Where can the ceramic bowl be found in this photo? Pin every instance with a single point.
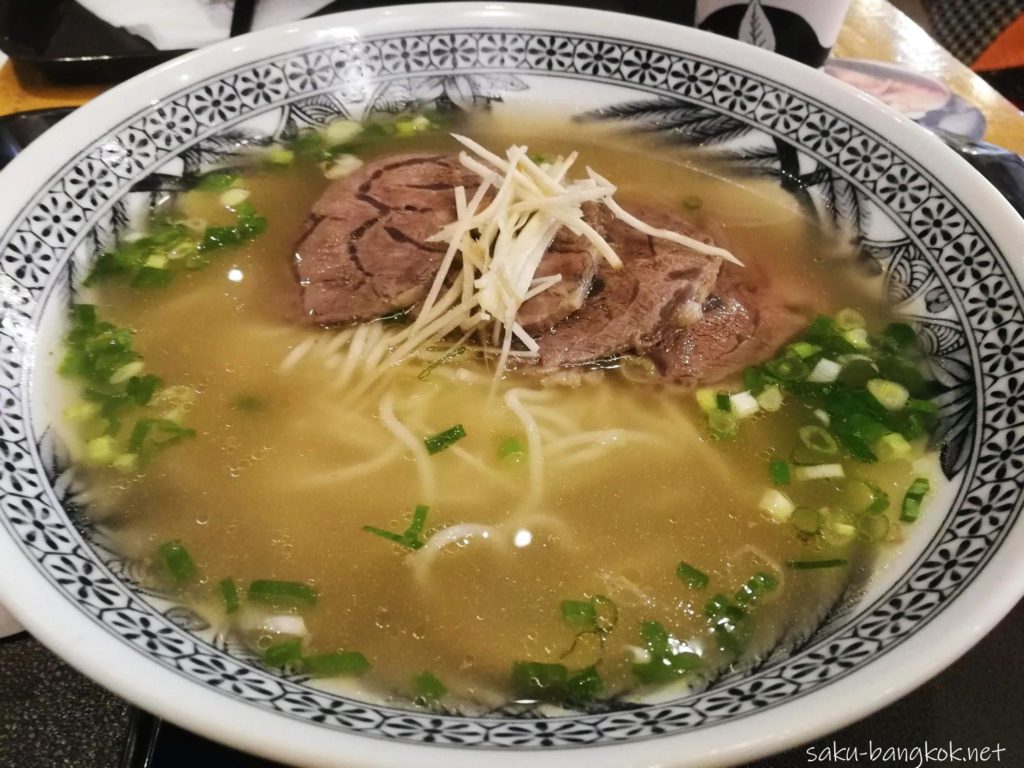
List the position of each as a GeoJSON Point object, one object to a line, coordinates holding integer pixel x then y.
{"type": "Point", "coordinates": [947, 245]}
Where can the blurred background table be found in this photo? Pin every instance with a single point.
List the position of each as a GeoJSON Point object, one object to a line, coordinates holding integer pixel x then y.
{"type": "Point", "coordinates": [51, 716]}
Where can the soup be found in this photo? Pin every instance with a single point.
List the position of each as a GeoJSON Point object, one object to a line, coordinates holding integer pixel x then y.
{"type": "Point", "coordinates": [466, 526]}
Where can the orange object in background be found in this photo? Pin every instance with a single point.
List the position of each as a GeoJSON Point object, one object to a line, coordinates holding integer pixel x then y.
{"type": "Point", "coordinates": [1005, 52]}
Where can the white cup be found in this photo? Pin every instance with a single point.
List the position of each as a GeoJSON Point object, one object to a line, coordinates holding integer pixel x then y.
{"type": "Point", "coordinates": [804, 30]}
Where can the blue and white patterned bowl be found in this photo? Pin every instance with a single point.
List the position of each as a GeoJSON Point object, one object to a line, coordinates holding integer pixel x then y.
{"type": "Point", "coordinates": [949, 247]}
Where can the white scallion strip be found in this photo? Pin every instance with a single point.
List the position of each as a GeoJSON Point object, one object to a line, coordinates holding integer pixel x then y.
{"type": "Point", "coordinates": [776, 505]}
{"type": "Point", "coordinates": [819, 472]}
{"type": "Point", "coordinates": [661, 234]}
{"type": "Point", "coordinates": [825, 371]}
{"type": "Point", "coordinates": [503, 243]}
{"type": "Point", "coordinates": [743, 404]}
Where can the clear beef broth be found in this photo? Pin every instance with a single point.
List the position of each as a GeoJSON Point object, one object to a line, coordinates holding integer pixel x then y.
{"type": "Point", "coordinates": [266, 489]}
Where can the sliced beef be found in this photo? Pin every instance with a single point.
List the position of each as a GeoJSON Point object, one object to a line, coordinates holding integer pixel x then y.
{"type": "Point", "coordinates": [661, 285]}
{"type": "Point", "coordinates": [745, 321]}
{"type": "Point", "coordinates": [572, 257]}
{"type": "Point", "coordinates": [365, 252]}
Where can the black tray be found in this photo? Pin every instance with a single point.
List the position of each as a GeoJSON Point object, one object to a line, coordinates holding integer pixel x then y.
{"type": "Point", "coordinates": [63, 42]}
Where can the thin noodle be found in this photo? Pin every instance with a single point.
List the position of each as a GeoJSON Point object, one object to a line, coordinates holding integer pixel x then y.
{"type": "Point", "coordinates": [424, 469]}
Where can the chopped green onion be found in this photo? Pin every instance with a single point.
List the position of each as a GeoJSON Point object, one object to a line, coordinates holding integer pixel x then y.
{"type": "Point", "coordinates": [101, 450]}
{"type": "Point", "coordinates": [341, 131]}
{"type": "Point", "coordinates": [579, 614]}
{"type": "Point", "coordinates": [666, 662]}
{"type": "Point", "coordinates": [819, 472]}
{"type": "Point", "coordinates": [770, 398]}
{"type": "Point", "coordinates": [340, 664]}
{"type": "Point", "coordinates": [756, 586]}
{"type": "Point", "coordinates": [706, 399]}
{"type": "Point", "coordinates": [873, 528]}
{"type": "Point", "coordinates": [446, 439]}
{"type": "Point", "coordinates": [911, 507]}
{"type": "Point", "coordinates": [278, 155]}
{"type": "Point", "coordinates": [779, 471]}
{"type": "Point", "coordinates": [803, 349]}
{"type": "Point", "coordinates": [428, 687]}
{"type": "Point", "coordinates": [848, 319]}
{"type": "Point", "coordinates": [818, 439]}
{"type": "Point", "coordinates": [857, 372]}
{"type": "Point", "coordinates": [270, 591]}
{"type": "Point", "coordinates": [536, 680]}
{"type": "Point", "coordinates": [743, 405]}
{"type": "Point", "coordinates": [216, 182]}
{"type": "Point", "coordinates": [717, 605]}
{"type": "Point", "coordinates": [584, 686]}
{"type": "Point", "coordinates": [723, 425]}
{"type": "Point", "coordinates": [861, 496]}
{"type": "Point", "coordinates": [722, 401]}
{"type": "Point", "coordinates": [692, 202]}
{"type": "Point", "coordinates": [889, 394]}
{"type": "Point", "coordinates": [839, 528]}
{"type": "Point", "coordinates": [892, 446]}
{"type": "Point", "coordinates": [787, 368]}
{"type": "Point", "coordinates": [411, 536]}
{"type": "Point", "coordinates": [178, 561]}
{"type": "Point", "coordinates": [857, 338]}
{"type": "Point", "coordinates": [283, 653]}
{"type": "Point", "coordinates": [806, 520]}
{"type": "Point", "coordinates": [824, 372]}
{"type": "Point", "coordinates": [126, 462]}
{"type": "Point", "coordinates": [900, 335]}
{"type": "Point", "coordinates": [810, 565]}
{"type": "Point", "coordinates": [229, 594]}
{"type": "Point", "coordinates": [776, 504]}
{"type": "Point", "coordinates": [691, 576]}
{"type": "Point", "coordinates": [510, 446]}
{"type": "Point", "coordinates": [606, 613]}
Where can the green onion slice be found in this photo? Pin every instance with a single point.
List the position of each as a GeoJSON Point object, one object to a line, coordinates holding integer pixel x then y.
{"type": "Point", "coordinates": [510, 446]}
{"type": "Point", "coordinates": [691, 576]}
{"type": "Point", "coordinates": [818, 439]}
{"type": "Point", "coordinates": [340, 664]}
{"type": "Point", "coordinates": [810, 565]}
{"type": "Point", "coordinates": [229, 594]}
{"type": "Point", "coordinates": [411, 537]}
{"type": "Point", "coordinates": [178, 561]}
{"type": "Point", "coordinates": [280, 654]}
{"type": "Point", "coordinates": [579, 614]}
{"type": "Point", "coordinates": [446, 439]}
{"type": "Point", "coordinates": [270, 591]}
{"type": "Point", "coordinates": [911, 508]}
{"type": "Point", "coordinates": [429, 687]}
{"type": "Point", "coordinates": [779, 471]}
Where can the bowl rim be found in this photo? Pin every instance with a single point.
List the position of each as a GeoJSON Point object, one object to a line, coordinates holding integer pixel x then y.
{"type": "Point", "coordinates": [181, 701]}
